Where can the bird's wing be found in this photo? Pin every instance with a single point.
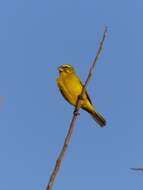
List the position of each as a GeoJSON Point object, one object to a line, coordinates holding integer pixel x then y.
{"type": "Point", "coordinates": [86, 93]}
{"type": "Point", "coordinates": [88, 96]}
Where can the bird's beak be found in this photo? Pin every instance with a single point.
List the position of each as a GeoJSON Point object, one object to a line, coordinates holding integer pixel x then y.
{"type": "Point", "coordinates": [60, 69]}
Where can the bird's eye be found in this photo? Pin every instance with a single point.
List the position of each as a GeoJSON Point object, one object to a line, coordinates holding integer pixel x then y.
{"type": "Point", "coordinates": [66, 67]}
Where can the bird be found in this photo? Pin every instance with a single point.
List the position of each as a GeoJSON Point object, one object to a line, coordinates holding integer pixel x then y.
{"type": "Point", "coordinates": [71, 87]}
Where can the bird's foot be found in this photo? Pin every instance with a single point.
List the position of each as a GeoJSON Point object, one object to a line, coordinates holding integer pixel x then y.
{"type": "Point", "coordinates": [76, 112]}
{"type": "Point", "coordinates": [80, 97]}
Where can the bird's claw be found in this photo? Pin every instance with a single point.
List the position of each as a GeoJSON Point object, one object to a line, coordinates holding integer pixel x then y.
{"type": "Point", "coordinates": [80, 97]}
{"type": "Point", "coordinates": [76, 112]}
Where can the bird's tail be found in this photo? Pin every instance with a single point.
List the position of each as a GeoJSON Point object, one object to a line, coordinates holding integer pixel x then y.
{"type": "Point", "coordinates": [97, 117]}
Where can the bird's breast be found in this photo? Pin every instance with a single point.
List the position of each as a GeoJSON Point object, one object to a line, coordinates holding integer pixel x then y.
{"type": "Point", "coordinates": [71, 87]}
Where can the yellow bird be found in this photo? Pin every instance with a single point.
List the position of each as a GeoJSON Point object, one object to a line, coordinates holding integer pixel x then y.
{"type": "Point", "coordinates": [70, 86]}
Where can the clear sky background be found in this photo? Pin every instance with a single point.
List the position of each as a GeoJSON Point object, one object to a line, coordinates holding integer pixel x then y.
{"type": "Point", "coordinates": [35, 38]}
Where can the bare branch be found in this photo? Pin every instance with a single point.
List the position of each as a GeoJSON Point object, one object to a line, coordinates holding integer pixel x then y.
{"type": "Point", "coordinates": [137, 169]}
{"type": "Point", "coordinates": [75, 115]}
{"type": "Point", "coordinates": [2, 100]}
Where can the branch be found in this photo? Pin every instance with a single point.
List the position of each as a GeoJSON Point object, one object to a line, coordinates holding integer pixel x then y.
{"type": "Point", "coordinates": [2, 100]}
{"type": "Point", "coordinates": [137, 169]}
{"type": "Point", "coordinates": [75, 115]}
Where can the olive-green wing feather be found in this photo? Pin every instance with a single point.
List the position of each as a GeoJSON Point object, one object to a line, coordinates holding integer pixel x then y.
{"type": "Point", "coordinates": [88, 97]}
{"type": "Point", "coordinates": [86, 93]}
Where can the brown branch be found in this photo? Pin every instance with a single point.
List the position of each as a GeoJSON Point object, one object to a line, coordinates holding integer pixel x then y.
{"type": "Point", "coordinates": [75, 115]}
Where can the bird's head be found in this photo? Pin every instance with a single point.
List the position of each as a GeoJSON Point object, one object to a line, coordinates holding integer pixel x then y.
{"type": "Point", "coordinates": [65, 69]}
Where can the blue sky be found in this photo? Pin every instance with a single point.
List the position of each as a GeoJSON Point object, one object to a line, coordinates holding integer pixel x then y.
{"type": "Point", "coordinates": [35, 38]}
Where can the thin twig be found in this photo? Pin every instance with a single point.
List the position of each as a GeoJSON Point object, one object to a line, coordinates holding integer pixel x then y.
{"type": "Point", "coordinates": [137, 169]}
{"type": "Point", "coordinates": [75, 115]}
{"type": "Point", "coordinates": [2, 100]}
